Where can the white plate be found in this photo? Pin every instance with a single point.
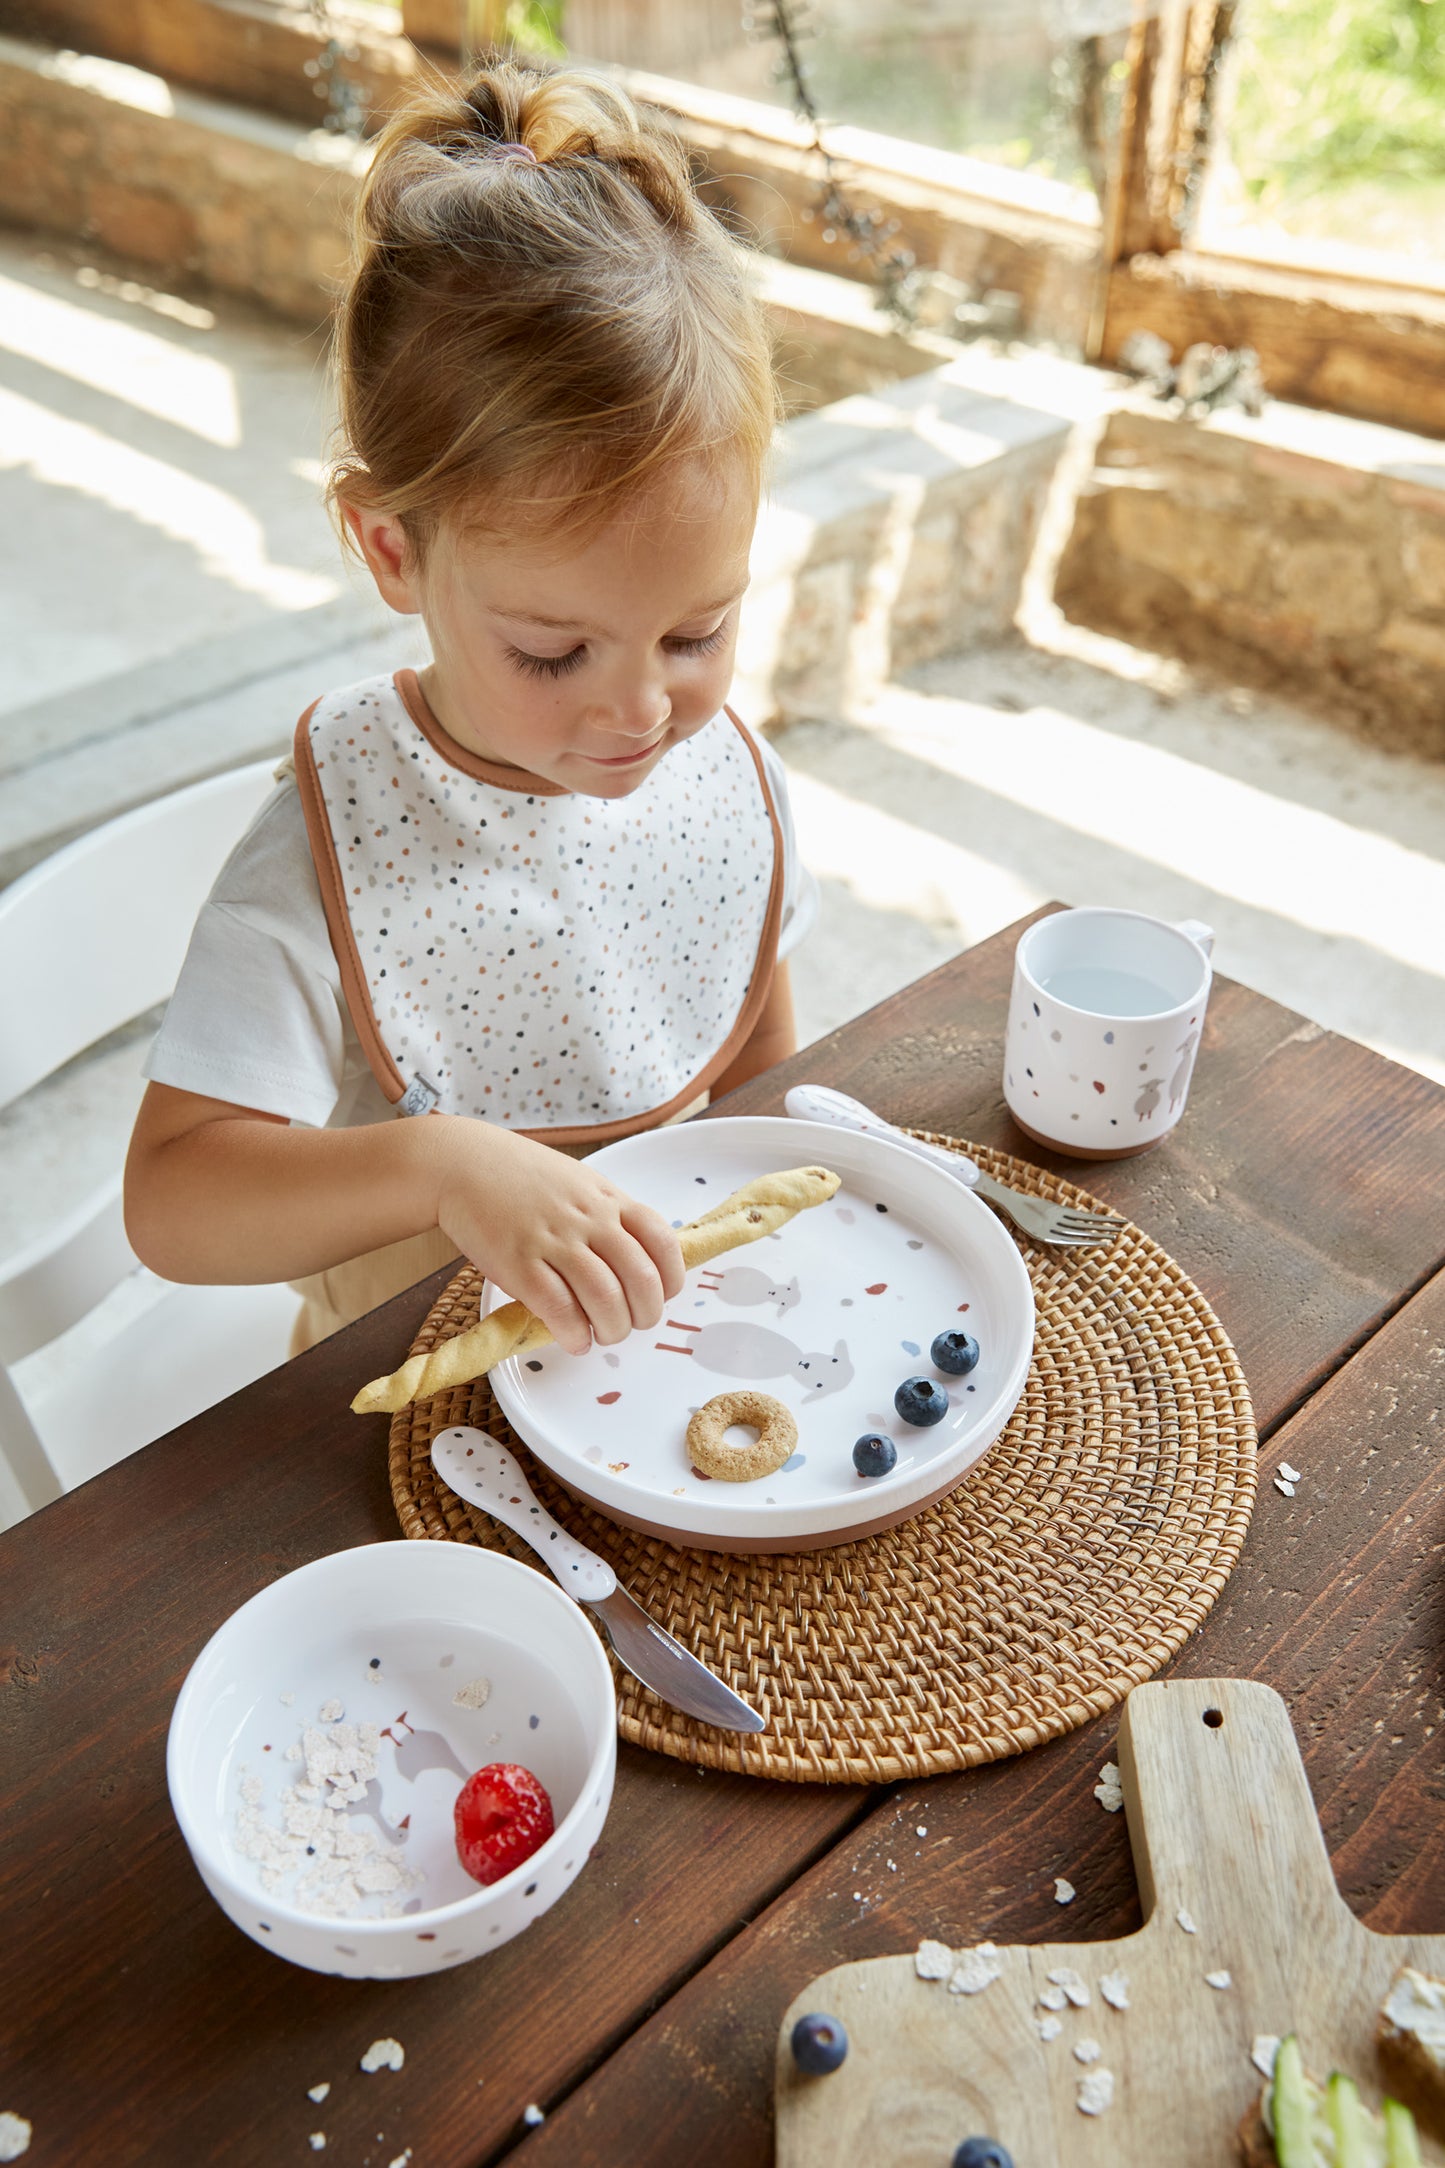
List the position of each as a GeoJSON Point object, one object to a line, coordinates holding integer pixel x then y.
{"type": "Point", "coordinates": [829, 1315]}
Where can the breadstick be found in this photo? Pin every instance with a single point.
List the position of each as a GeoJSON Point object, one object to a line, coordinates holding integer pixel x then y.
{"type": "Point", "coordinates": [758, 1209]}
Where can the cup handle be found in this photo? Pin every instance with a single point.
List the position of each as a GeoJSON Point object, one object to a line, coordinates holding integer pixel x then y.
{"type": "Point", "coordinates": [1197, 931]}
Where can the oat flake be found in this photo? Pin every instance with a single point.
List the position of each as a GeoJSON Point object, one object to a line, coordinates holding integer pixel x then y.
{"type": "Point", "coordinates": [1263, 2053]}
{"type": "Point", "coordinates": [1220, 1980]}
{"type": "Point", "coordinates": [1186, 1921]}
{"type": "Point", "coordinates": [14, 2136]}
{"type": "Point", "coordinates": [1280, 1484]}
{"type": "Point", "coordinates": [473, 1695]}
{"type": "Point", "coordinates": [1069, 1983]}
{"type": "Point", "coordinates": [1096, 2092]}
{"type": "Point", "coordinates": [1064, 1891]}
{"type": "Point", "coordinates": [931, 1960]}
{"type": "Point", "coordinates": [385, 2054]}
{"type": "Point", "coordinates": [1291, 1475]}
{"type": "Point", "coordinates": [318, 2141]}
{"type": "Point", "coordinates": [1087, 2051]}
{"type": "Point", "coordinates": [1049, 2027]}
{"type": "Point", "coordinates": [532, 2116]}
{"type": "Point", "coordinates": [1053, 1998]}
{"type": "Point", "coordinates": [1114, 1987]}
{"type": "Point", "coordinates": [331, 1712]}
{"type": "Point", "coordinates": [977, 1969]}
{"type": "Point", "coordinates": [317, 2093]}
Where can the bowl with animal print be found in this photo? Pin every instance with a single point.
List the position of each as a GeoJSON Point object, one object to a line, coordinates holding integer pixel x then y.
{"type": "Point", "coordinates": [323, 1733]}
{"type": "Point", "coordinates": [829, 1315]}
{"type": "Point", "coordinates": [1105, 1020]}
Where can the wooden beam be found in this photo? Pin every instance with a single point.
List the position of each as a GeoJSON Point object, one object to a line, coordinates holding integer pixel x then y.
{"type": "Point", "coordinates": [1376, 352]}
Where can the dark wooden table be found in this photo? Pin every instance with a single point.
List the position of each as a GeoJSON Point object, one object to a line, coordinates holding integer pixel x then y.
{"type": "Point", "coordinates": [1304, 1194]}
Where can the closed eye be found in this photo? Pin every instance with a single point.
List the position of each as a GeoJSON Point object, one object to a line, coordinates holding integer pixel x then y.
{"type": "Point", "coordinates": [707, 645]}
{"type": "Point", "coordinates": [546, 665]}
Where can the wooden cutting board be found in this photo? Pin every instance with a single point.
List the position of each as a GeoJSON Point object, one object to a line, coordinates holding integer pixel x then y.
{"type": "Point", "coordinates": [1222, 1827]}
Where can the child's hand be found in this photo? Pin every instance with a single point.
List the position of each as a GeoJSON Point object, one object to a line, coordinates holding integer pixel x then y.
{"type": "Point", "coordinates": [590, 1261]}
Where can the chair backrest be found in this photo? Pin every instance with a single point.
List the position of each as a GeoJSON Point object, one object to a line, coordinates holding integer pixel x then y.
{"type": "Point", "coordinates": [89, 939]}
{"type": "Point", "coordinates": [94, 935]}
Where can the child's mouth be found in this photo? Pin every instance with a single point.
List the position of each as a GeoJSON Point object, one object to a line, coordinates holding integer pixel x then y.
{"type": "Point", "coordinates": [624, 760]}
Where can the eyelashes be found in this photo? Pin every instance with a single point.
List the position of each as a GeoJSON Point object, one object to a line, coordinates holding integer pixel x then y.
{"type": "Point", "coordinates": [558, 666]}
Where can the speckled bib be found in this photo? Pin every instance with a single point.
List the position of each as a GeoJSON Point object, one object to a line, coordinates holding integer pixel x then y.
{"type": "Point", "coordinates": [573, 967]}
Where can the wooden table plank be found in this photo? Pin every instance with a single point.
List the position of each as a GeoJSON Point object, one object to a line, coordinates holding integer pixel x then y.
{"type": "Point", "coordinates": [1337, 1602]}
{"type": "Point", "coordinates": [155, 2031]}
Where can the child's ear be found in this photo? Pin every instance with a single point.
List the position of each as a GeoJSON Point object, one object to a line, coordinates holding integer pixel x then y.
{"type": "Point", "coordinates": [382, 542]}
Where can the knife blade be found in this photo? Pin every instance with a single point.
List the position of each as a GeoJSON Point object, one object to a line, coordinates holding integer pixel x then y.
{"type": "Point", "coordinates": [486, 1471]}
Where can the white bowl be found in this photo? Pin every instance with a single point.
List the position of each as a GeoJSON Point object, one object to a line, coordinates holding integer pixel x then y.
{"type": "Point", "coordinates": [829, 1316]}
{"type": "Point", "coordinates": [387, 1629]}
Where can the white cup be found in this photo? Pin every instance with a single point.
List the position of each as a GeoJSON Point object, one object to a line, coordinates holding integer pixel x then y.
{"type": "Point", "coordinates": [1104, 1024]}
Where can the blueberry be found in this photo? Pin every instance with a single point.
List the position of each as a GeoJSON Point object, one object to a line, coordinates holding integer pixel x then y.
{"type": "Point", "coordinates": [982, 2153]}
{"type": "Point", "coordinates": [819, 2045]}
{"type": "Point", "coordinates": [955, 1352]}
{"type": "Point", "coordinates": [873, 1455]}
{"type": "Point", "coordinates": [921, 1401]}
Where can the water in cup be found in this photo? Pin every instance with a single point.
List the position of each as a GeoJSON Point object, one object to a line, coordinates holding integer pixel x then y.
{"type": "Point", "coordinates": [1109, 993]}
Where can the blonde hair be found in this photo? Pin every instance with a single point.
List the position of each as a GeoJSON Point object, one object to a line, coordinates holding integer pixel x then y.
{"type": "Point", "coordinates": [535, 338]}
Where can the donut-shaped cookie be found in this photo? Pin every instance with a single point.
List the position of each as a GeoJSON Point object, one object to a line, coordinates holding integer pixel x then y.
{"type": "Point", "coordinates": [777, 1434]}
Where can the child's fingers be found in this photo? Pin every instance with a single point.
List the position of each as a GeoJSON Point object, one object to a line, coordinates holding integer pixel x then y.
{"type": "Point", "coordinates": [549, 1297]}
{"type": "Point", "coordinates": [636, 1275]}
{"type": "Point", "coordinates": [596, 1286]}
{"type": "Point", "coordinates": [661, 1244]}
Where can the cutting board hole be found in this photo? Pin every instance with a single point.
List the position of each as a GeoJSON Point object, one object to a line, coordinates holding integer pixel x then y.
{"type": "Point", "coordinates": [1214, 1718]}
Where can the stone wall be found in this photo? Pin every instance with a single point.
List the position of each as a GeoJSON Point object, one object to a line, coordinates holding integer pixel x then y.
{"type": "Point", "coordinates": [1303, 552]}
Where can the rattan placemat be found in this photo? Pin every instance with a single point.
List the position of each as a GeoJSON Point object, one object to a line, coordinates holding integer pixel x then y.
{"type": "Point", "coordinates": [1082, 1551]}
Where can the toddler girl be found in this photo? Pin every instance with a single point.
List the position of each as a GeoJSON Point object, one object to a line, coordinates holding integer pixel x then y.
{"type": "Point", "coordinates": [537, 891]}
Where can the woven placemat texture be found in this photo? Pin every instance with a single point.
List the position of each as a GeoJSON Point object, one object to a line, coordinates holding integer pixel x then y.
{"type": "Point", "coordinates": [1070, 1565]}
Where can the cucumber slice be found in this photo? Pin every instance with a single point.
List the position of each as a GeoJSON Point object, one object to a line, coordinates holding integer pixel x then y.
{"type": "Point", "coordinates": [1291, 2111]}
{"type": "Point", "coordinates": [1402, 2143]}
{"type": "Point", "coordinates": [1348, 2123]}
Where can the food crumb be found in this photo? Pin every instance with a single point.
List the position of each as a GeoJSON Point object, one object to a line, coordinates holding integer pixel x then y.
{"type": "Point", "coordinates": [1280, 1484]}
{"type": "Point", "coordinates": [1053, 1998]}
{"type": "Point", "coordinates": [1291, 1475]}
{"type": "Point", "coordinates": [385, 2054]}
{"type": "Point", "coordinates": [402, 2160]}
{"type": "Point", "coordinates": [331, 1712]}
{"type": "Point", "coordinates": [473, 1695]}
{"type": "Point", "coordinates": [1087, 2051]}
{"type": "Point", "coordinates": [1069, 1983]}
{"type": "Point", "coordinates": [14, 2136]}
{"type": "Point", "coordinates": [1263, 2051]}
{"type": "Point", "coordinates": [921, 1830]}
{"type": "Point", "coordinates": [1096, 2092]}
{"type": "Point", "coordinates": [1049, 2027]}
{"type": "Point", "coordinates": [1114, 1987]}
{"type": "Point", "coordinates": [317, 2093]}
{"type": "Point", "coordinates": [931, 1960]}
{"type": "Point", "coordinates": [288, 1701]}
{"type": "Point", "coordinates": [977, 1969]}
{"type": "Point", "coordinates": [1186, 1921]}
{"type": "Point", "coordinates": [1064, 1891]}
{"type": "Point", "coordinates": [1219, 1979]}
{"type": "Point", "coordinates": [1109, 1790]}
{"type": "Point", "coordinates": [318, 2141]}
{"type": "Point", "coordinates": [532, 2115]}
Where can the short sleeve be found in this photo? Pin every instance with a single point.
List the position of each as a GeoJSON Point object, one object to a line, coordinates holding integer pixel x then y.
{"type": "Point", "coordinates": [800, 890]}
{"type": "Point", "coordinates": [258, 1016]}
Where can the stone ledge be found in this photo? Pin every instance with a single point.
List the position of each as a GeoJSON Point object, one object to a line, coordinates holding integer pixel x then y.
{"type": "Point", "coordinates": [1301, 551]}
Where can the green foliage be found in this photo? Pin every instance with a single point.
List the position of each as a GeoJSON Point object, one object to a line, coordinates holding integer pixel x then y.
{"type": "Point", "coordinates": [1337, 90]}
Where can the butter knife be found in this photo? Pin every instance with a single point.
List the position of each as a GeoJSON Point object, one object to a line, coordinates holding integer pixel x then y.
{"type": "Point", "coordinates": [485, 1472]}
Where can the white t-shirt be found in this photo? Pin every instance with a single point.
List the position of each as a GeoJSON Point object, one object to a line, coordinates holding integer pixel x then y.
{"type": "Point", "coordinates": [258, 1016]}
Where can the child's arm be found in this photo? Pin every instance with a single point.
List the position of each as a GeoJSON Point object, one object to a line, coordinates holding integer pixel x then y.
{"type": "Point", "coordinates": [221, 1194]}
{"type": "Point", "coordinates": [773, 1038]}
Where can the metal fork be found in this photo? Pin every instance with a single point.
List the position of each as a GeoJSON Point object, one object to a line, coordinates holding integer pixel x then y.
{"type": "Point", "coordinates": [1063, 1226]}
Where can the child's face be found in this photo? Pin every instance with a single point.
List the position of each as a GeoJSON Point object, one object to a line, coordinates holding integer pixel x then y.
{"type": "Point", "coordinates": [583, 663]}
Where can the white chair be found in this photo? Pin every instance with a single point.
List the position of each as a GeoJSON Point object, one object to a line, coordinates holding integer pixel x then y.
{"type": "Point", "coordinates": [89, 940]}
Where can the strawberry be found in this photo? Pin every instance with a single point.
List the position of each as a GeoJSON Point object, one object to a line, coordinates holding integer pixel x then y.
{"type": "Point", "coordinates": [503, 1814]}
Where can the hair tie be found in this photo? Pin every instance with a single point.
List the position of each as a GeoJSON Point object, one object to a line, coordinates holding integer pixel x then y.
{"type": "Point", "coordinates": [517, 151]}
